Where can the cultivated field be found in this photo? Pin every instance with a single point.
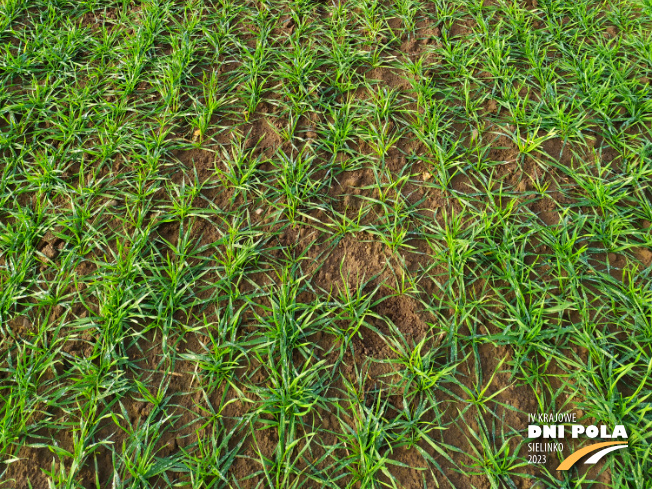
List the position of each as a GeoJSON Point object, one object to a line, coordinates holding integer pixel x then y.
{"type": "Point", "coordinates": [309, 244]}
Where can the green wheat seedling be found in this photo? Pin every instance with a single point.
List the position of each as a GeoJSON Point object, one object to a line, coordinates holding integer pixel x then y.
{"type": "Point", "coordinates": [218, 362]}
{"type": "Point", "coordinates": [138, 462]}
{"type": "Point", "coordinates": [254, 64]}
{"type": "Point", "coordinates": [238, 250]}
{"type": "Point", "coordinates": [356, 308]}
{"type": "Point", "coordinates": [421, 367]}
{"type": "Point", "coordinates": [208, 106]}
{"type": "Point", "coordinates": [493, 457]}
{"type": "Point", "coordinates": [240, 166]}
{"type": "Point", "coordinates": [207, 462]}
{"type": "Point", "coordinates": [295, 185]}
{"type": "Point", "coordinates": [367, 436]}
{"type": "Point", "coordinates": [407, 11]}
{"type": "Point", "coordinates": [339, 130]}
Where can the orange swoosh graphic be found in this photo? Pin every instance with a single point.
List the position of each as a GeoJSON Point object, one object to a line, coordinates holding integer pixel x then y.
{"type": "Point", "coordinates": [574, 457]}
